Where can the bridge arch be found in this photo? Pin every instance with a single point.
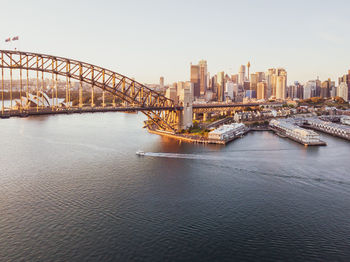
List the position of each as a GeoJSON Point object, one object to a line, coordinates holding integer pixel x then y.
{"type": "Point", "coordinates": [161, 111]}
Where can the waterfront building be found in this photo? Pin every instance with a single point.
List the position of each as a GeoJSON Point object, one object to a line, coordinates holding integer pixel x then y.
{"type": "Point", "coordinates": [295, 132]}
{"type": "Point", "coordinates": [226, 132]}
{"type": "Point", "coordinates": [345, 120]}
{"type": "Point", "coordinates": [343, 91]}
{"type": "Point", "coordinates": [329, 127]}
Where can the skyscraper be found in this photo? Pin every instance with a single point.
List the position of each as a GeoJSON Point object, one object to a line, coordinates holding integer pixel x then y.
{"type": "Point", "coordinates": [195, 79]}
{"type": "Point", "coordinates": [220, 86]}
{"type": "Point", "coordinates": [324, 89]}
{"type": "Point", "coordinates": [343, 91]}
{"type": "Point", "coordinates": [277, 83]}
{"type": "Point", "coordinates": [203, 73]}
{"type": "Point", "coordinates": [271, 82]}
{"type": "Point", "coordinates": [161, 83]}
{"type": "Point", "coordinates": [241, 75]}
{"type": "Point", "coordinates": [261, 90]}
{"type": "Point", "coordinates": [253, 81]}
{"type": "Point", "coordinates": [346, 79]}
{"type": "Point", "coordinates": [309, 89]}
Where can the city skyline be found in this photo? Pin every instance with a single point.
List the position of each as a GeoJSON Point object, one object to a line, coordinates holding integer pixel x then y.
{"type": "Point", "coordinates": [161, 38]}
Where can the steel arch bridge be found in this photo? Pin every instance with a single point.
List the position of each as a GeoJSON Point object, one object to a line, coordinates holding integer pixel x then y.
{"type": "Point", "coordinates": [161, 111]}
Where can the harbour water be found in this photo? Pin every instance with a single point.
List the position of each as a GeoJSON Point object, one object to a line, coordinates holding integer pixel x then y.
{"type": "Point", "coordinates": [73, 189]}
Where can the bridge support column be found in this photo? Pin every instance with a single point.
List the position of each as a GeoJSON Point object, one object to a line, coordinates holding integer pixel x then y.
{"type": "Point", "coordinates": [205, 117]}
{"type": "Point", "coordinates": [186, 116]}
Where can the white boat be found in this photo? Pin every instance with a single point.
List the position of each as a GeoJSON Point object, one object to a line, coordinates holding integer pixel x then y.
{"type": "Point", "coordinates": [140, 153]}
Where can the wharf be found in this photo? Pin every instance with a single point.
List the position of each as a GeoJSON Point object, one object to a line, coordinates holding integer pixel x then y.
{"type": "Point", "coordinates": [327, 132]}
{"type": "Point", "coordinates": [284, 135]}
{"type": "Point", "coordinates": [192, 139]}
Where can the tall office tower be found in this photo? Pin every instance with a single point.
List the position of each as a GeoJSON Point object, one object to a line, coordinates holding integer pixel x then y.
{"type": "Point", "coordinates": [229, 86]}
{"type": "Point", "coordinates": [241, 75]}
{"type": "Point", "coordinates": [271, 82]}
{"type": "Point", "coordinates": [254, 82]}
{"type": "Point", "coordinates": [161, 83]}
{"type": "Point", "coordinates": [248, 66]}
{"type": "Point", "coordinates": [325, 89]}
{"type": "Point", "coordinates": [309, 89]}
{"type": "Point", "coordinates": [203, 72]}
{"type": "Point", "coordinates": [317, 92]}
{"type": "Point", "coordinates": [195, 79]}
{"type": "Point", "coordinates": [234, 79]}
{"type": "Point", "coordinates": [213, 84]}
{"type": "Point", "coordinates": [180, 86]}
{"type": "Point", "coordinates": [277, 83]}
{"type": "Point", "coordinates": [300, 91]}
{"type": "Point", "coordinates": [346, 79]}
{"type": "Point", "coordinates": [343, 91]}
{"type": "Point", "coordinates": [171, 93]}
{"type": "Point", "coordinates": [208, 81]}
{"type": "Point", "coordinates": [261, 90]}
{"type": "Point", "coordinates": [220, 83]}
{"type": "Point", "coordinates": [261, 76]}
{"type": "Point", "coordinates": [189, 85]}
{"type": "Point", "coordinates": [281, 87]}
{"type": "Point", "coordinates": [292, 89]}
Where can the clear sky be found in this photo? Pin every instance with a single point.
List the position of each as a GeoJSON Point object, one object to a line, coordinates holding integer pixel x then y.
{"type": "Point", "coordinates": [149, 38]}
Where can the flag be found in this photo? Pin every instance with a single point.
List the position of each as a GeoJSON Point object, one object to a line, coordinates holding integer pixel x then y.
{"type": "Point", "coordinates": [15, 38]}
{"type": "Point", "coordinates": [8, 39]}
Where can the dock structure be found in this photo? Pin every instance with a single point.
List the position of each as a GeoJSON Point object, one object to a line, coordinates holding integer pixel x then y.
{"type": "Point", "coordinates": [330, 128]}
{"type": "Point", "coordinates": [288, 129]}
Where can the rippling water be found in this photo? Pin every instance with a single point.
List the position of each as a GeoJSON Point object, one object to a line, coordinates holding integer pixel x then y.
{"type": "Point", "coordinates": [73, 189]}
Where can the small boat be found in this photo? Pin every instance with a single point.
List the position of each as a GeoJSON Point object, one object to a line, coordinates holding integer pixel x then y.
{"type": "Point", "coordinates": [140, 153]}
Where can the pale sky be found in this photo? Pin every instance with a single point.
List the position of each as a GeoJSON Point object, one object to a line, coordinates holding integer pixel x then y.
{"type": "Point", "coordinates": [147, 39]}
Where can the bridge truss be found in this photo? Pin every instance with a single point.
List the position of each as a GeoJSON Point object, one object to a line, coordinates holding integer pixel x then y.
{"type": "Point", "coordinates": [161, 111]}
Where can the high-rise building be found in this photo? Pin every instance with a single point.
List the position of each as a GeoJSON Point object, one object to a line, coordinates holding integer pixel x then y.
{"type": "Point", "coordinates": [241, 75]}
{"type": "Point", "coordinates": [261, 76]}
{"type": "Point", "coordinates": [261, 90]}
{"type": "Point", "coordinates": [276, 83]}
{"type": "Point", "coordinates": [203, 73]}
{"type": "Point", "coordinates": [254, 81]}
{"type": "Point", "coordinates": [310, 89]}
{"type": "Point", "coordinates": [229, 86]}
{"type": "Point", "coordinates": [220, 83]}
{"type": "Point", "coordinates": [234, 79]}
{"type": "Point", "coordinates": [195, 79]}
{"type": "Point", "coordinates": [343, 91]}
{"type": "Point", "coordinates": [161, 83]}
{"type": "Point", "coordinates": [271, 82]}
{"type": "Point", "coordinates": [345, 79]}
{"type": "Point", "coordinates": [325, 89]}
{"type": "Point", "coordinates": [281, 87]}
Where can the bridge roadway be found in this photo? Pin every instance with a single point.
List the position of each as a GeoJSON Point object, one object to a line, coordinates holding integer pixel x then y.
{"type": "Point", "coordinates": [77, 110]}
